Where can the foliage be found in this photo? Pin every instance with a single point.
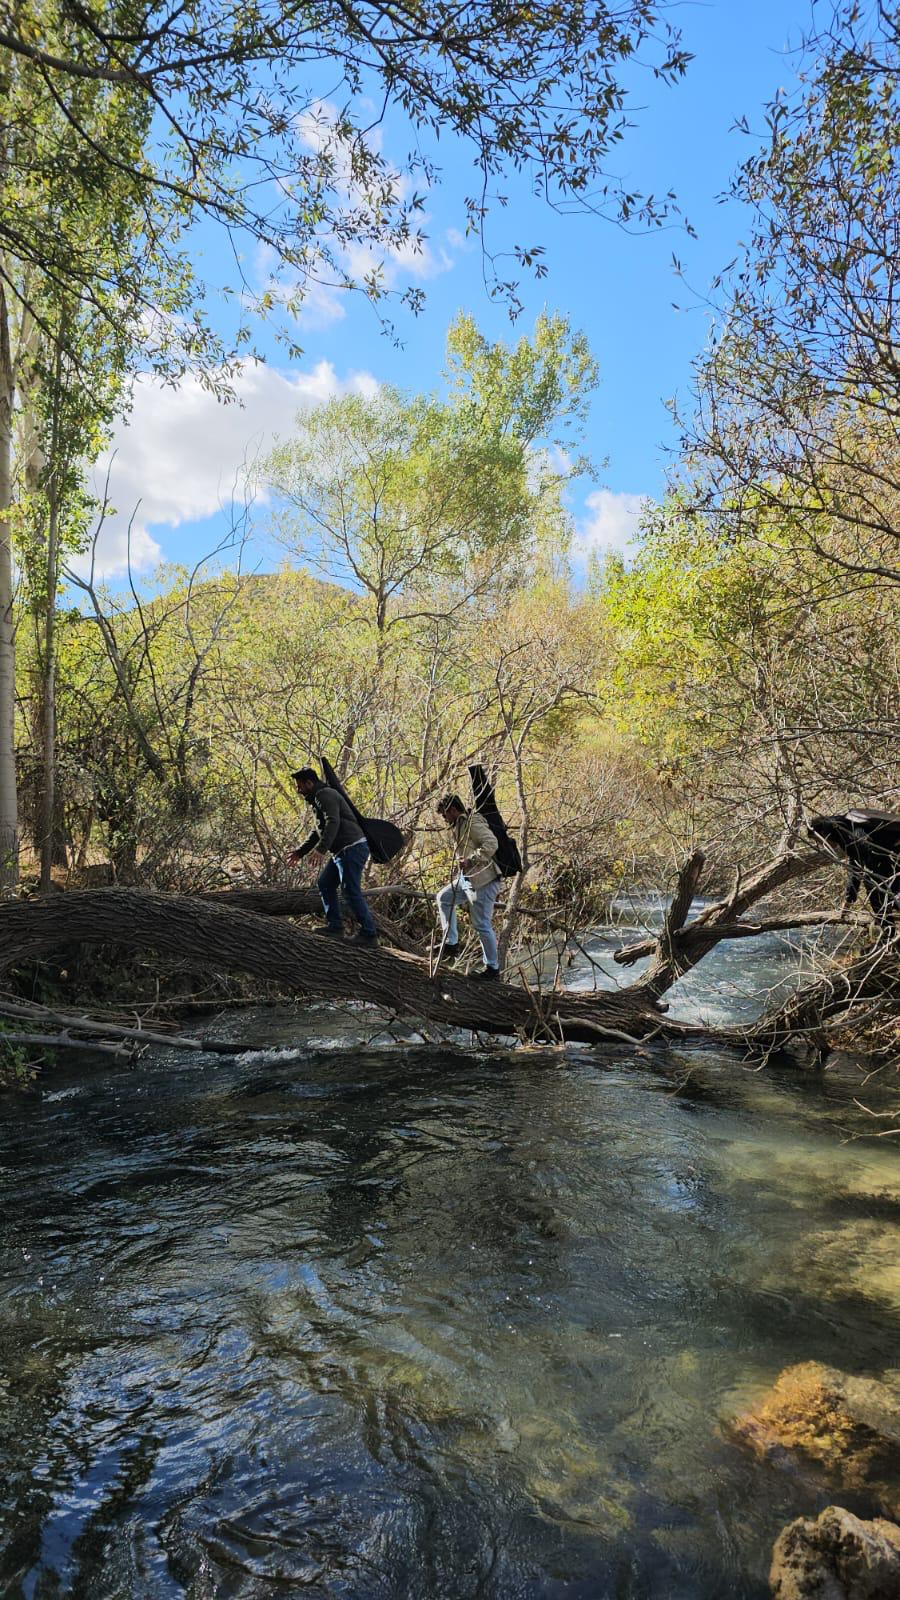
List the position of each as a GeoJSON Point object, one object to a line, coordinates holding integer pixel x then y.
{"type": "Point", "coordinates": [758, 679]}
{"type": "Point", "coordinates": [89, 245]}
{"type": "Point", "coordinates": [422, 504]}
{"type": "Point", "coordinates": [18, 1066]}
{"type": "Point", "coordinates": [758, 662]}
{"type": "Point", "coordinates": [231, 95]}
{"type": "Point", "coordinates": [232, 682]}
{"type": "Point", "coordinates": [798, 399]}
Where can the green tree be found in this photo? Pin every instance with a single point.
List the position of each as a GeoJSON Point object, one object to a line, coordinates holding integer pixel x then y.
{"type": "Point", "coordinates": [70, 326]}
{"type": "Point", "coordinates": [798, 398]}
{"type": "Point", "coordinates": [759, 682]}
{"type": "Point", "coordinates": [423, 505]}
{"type": "Point", "coordinates": [120, 128]}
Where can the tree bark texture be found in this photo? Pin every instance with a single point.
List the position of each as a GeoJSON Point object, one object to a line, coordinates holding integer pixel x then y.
{"type": "Point", "coordinates": [238, 930]}
{"type": "Point", "coordinates": [9, 819]}
{"type": "Point", "coordinates": [837, 992]}
{"type": "Point", "coordinates": [231, 940]}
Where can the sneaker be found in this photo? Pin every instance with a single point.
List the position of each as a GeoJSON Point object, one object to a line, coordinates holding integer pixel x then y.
{"type": "Point", "coordinates": [367, 940]}
{"type": "Point", "coordinates": [333, 933]}
{"type": "Point", "coordinates": [450, 955]}
{"type": "Point", "coordinates": [488, 975]}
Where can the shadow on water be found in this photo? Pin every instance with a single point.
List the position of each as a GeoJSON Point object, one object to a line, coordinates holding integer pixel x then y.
{"type": "Point", "coordinates": [421, 1322]}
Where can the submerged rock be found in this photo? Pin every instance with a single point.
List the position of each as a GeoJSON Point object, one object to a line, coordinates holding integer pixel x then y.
{"type": "Point", "coordinates": [836, 1557]}
{"type": "Point", "coordinates": [569, 1478]}
{"type": "Point", "coordinates": [846, 1429]}
{"type": "Point", "coordinates": [859, 1258]}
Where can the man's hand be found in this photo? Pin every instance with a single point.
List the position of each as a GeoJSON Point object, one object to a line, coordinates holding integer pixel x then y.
{"type": "Point", "coordinates": [296, 856]}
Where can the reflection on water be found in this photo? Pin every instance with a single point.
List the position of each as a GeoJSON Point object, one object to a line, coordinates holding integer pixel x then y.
{"type": "Point", "coordinates": [419, 1323]}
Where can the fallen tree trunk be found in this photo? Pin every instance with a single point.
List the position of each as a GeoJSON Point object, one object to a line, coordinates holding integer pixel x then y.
{"type": "Point", "coordinates": [276, 901]}
{"type": "Point", "coordinates": [222, 933]}
{"type": "Point", "coordinates": [839, 992]}
{"type": "Point", "coordinates": [268, 902]}
{"type": "Point", "coordinates": [231, 940]}
{"type": "Point", "coordinates": [279, 902]}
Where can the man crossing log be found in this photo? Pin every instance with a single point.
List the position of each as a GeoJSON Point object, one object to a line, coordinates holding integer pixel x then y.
{"type": "Point", "coordinates": [475, 883]}
{"type": "Point", "coordinates": [338, 835]}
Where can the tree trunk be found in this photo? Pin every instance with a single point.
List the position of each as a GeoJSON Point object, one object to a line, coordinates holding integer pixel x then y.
{"type": "Point", "coordinates": [840, 992]}
{"type": "Point", "coordinates": [237, 930]}
{"type": "Point", "coordinates": [850, 992]}
{"type": "Point", "coordinates": [9, 819]}
{"type": "Point", "coordinates": [676, 949]}
{"type": "Point", "coordinates": [47, 824]}
{"type": "Point", "coordinates": [209, 935]}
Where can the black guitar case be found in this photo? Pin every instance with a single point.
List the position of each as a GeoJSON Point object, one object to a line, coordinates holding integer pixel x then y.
{"type": "Point", "coordinates": [384, 839]}
{"type": "Point", "coordinates": [507, 858]}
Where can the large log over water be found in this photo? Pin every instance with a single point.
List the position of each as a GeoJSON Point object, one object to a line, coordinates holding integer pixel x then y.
{"type": "Point", "coordinates": [210, 935]}
{"type": "Point", "coordinates": [241, 931]}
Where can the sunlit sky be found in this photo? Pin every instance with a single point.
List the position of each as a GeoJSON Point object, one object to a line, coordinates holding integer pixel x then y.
{"type": "Point", "coordinates": [177, 461]}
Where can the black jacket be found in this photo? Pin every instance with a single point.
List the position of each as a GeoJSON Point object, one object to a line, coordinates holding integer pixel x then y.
{"type": "Point", "coordinates": [336, 828]}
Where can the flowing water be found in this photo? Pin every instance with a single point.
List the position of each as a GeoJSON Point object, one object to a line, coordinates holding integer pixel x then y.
{"type": "Point", "coordinates": [396, 1319]}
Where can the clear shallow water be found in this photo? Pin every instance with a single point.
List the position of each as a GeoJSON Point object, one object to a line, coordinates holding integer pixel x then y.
{"type": "Point", "coordinates": [360, 1322]}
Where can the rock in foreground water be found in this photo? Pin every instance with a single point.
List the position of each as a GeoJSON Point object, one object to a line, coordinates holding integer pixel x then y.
{"type": "Point", "coordinates": [845, 1429]}
{"type": "Point", "coordinates": [836, 1557]}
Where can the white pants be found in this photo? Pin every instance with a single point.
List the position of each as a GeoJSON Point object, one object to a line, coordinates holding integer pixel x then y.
{"type": "Point", "coordinates": [481, 904]}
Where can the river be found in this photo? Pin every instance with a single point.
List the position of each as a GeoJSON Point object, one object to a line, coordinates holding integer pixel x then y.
{"type": "Point", "coordinates": [362, 1316]}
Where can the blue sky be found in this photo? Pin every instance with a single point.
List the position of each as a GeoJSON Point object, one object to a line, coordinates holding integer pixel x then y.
{"type": "Point", "coordinates": [181, 455]}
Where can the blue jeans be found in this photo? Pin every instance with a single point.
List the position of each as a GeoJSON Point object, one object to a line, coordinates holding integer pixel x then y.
{"type": "Point", "coordinates": [344, 872]}
{"type": "Point", "coordinates": [481, 909]}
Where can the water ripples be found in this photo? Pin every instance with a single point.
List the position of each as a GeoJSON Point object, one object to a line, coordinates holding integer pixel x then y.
{"type": "Point", "coordinates": [417, 1323]}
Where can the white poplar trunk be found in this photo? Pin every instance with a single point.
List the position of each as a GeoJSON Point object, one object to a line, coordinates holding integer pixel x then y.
{"type": "Point", "coordinates": [9, 818]}
{"type": "Point", "coordinates": [48, 719]}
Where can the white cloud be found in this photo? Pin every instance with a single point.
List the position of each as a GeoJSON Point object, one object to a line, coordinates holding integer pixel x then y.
{"type": "Point", "coordinates": [318, 296]}
{"type": "Point", "coordinates": [113, 550]}
{"type": "Point", "coordinates": [612, 524]}
{"type": "Point", "coordinates": [409, 259]}
{"type": "Point", "coordinates": [416, 257]}
{"type": "Point", "coordinates": [181, 455]}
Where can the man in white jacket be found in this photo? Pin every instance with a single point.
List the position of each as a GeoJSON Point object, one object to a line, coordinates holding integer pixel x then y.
{"type": "Point", "coordinates": [475, 882]}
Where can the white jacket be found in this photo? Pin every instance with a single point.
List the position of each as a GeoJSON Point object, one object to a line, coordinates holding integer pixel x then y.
{"type": "Point", "coordinates": [476, 842]}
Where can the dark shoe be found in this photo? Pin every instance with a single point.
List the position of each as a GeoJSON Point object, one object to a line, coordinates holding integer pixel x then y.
{"type": "Point", "coordinates": [449, 955]}
{"type": "Point", "coordinates": [333, 933]}
{"type": "Point", "coordinates": [488, 975]}
{"type": "Point", "coordinates": [369, 941]}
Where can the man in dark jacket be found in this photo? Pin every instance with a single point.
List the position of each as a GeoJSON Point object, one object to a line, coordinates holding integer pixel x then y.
{"type": "Point", "coordinates": [338, 835]}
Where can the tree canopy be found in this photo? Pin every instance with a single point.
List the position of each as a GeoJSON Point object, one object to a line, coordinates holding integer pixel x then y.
{"type": "Point", "coordinates": [265, 119]}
